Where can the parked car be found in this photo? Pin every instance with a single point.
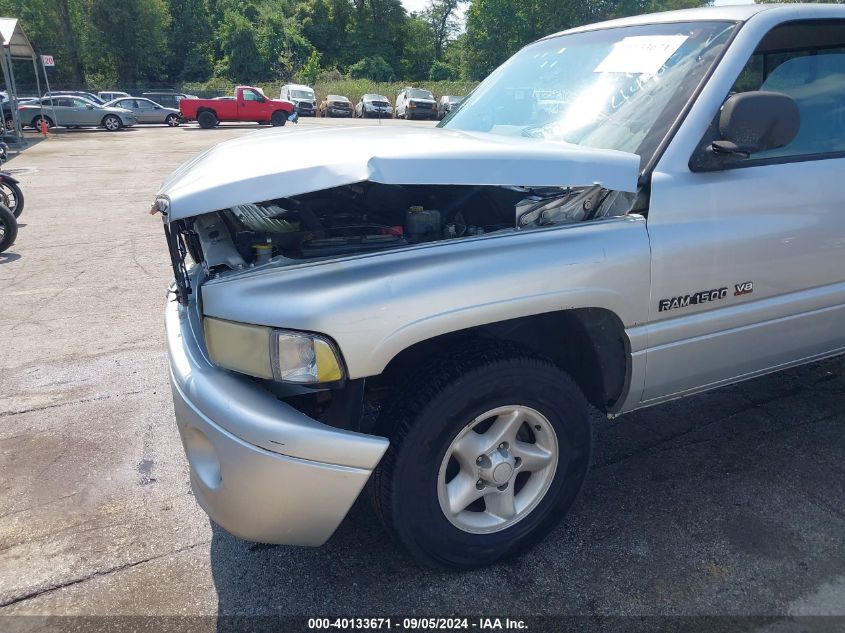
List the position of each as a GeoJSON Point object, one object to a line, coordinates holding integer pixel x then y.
{"type": "Point", "coordinates": [71, 111]}
{"type": "Point", "coordinates": [249, 104]}
{"type": "Point", "coordinates": [415, 103]}
{"type": "Point", "coordinates": [167, 99]}
{"type": "Point", "coordinates": [76, 93]}
{"type": "Point", "coordinates": [148, 111]}
{"type": "Point", "coordinates": [373, 105]}
{"type": "Point", "coordinates": [446, 103]}
{"type": "Point", "coordinates": [334, 106]}
{"type": "Point", "coordinates": [302, 97]}
{"type": "Point", "coordinates": [112, 95]}
{"type": "Point", "coordinates": [677, 228]}
{"type": "Point", "coordinates": [8, 121]}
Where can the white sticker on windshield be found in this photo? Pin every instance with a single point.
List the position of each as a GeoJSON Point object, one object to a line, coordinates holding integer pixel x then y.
{"type": "Point", "coordinates": [640, 55]}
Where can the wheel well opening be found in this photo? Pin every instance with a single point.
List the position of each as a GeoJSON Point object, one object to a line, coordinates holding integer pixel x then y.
{"type": "Point", "coordinates": [590, 344]}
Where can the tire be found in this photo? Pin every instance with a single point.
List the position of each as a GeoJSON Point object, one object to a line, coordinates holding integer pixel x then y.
{"type": "Point", "coordinates": [10, 124]}
{"type": "Point", "coordinates": [481, 385]}
{"type": "Point", "coordinates": [173, 120]}
{"type": "Point", "coordinates": [11, 197]}
{"type": "Point", "coordinates": [207, 119]}
{"type": "Point", "coordinates": [279, 118]}
{"type": "Point", "coordinates": [36, 122]}
{"type": "Point", "coordinates": [112, 123]}
{"type": "Point", "coordinates": [8, 228]}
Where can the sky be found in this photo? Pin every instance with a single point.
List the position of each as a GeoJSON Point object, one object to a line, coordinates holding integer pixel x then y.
{"type": "Point", "coordinates": [412, 6]}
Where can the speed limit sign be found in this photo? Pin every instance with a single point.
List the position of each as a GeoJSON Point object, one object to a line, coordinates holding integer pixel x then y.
{"type": "Point", "coordinates": [47, 60]}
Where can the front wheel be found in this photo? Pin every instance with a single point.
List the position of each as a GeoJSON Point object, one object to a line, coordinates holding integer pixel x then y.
{"type": "Point", "coordinates": [490, 448]}
{"type": "Point", "coordinates": [8, 228]}
{"type": "Point", "coordinates": [11, 197]}
{"type": "Point", "coordinates": [111, 123]}
{"type": "Point", "coordinates": [173, 120]}
{"type": "Point", "coordinates": [279, 118]}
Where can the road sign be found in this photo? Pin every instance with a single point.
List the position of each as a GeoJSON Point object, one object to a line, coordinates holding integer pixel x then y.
{"type": "Point", "coordinates": [47, 60]}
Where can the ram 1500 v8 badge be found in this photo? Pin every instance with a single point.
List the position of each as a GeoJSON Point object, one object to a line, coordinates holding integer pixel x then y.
{"type": "Point", "coordinates": [620, 215]}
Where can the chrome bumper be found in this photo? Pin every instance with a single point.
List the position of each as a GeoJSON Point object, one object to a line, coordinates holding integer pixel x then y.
{"type": "Point", "coordinates": [259, 468]}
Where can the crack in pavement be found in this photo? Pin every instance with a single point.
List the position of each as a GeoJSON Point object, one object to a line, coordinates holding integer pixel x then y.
{"type": "Point", "coordinates": [66, 404]}
{"type": "Point", "coordinates": [77, 581]}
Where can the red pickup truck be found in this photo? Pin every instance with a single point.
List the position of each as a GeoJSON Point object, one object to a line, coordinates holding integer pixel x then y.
{"type": "Point", "coordinates": [248, 104]}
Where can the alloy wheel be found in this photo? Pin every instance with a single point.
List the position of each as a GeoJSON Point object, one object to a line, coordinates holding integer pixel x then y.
{"type": "Point", "coordinates": [497, 469]}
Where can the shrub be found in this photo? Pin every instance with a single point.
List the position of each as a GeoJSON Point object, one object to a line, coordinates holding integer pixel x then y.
{"type": "Point", "coordinates": [375, 68]}
{"type": "Point", "coordinates": [441, 71]}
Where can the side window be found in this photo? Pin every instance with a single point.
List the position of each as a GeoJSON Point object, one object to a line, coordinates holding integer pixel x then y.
{"type": "Point", "coordinates": [143, 105]}
{"type": "Point", "coordinates": [250, 95]}
{"type": "Point", "coordinates": [806, 61]}
{"type": "Point", "coordinates": [79, 103]}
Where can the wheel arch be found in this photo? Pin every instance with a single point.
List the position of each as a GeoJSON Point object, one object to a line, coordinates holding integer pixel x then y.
{"type": "Point", "coordinates": [202, 109]}
{"type": "Point", "coordinates": [590, 344]}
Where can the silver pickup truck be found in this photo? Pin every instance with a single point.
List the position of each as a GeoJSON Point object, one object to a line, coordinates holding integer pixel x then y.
{"type": "Point", "coordinates": [621, 214]}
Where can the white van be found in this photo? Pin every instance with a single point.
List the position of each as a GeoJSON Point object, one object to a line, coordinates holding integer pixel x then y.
{"type": "Point", "coordinates": [303, 98]}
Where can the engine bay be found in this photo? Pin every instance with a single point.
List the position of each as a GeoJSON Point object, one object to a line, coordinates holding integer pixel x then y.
{"type": "Point", "coordinates": [367, 217]}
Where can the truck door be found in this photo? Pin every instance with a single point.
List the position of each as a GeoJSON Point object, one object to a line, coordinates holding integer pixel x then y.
{"type": "Point", "coordinates": [251, 106]}
{"type": "Point", "coordinates": [748, 253]}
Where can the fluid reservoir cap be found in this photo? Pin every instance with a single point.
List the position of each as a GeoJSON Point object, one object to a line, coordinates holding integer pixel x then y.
{"type": "Point", "coordinates": [416, 209]}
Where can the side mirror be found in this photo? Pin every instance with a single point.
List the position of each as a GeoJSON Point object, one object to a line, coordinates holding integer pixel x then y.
{"type": "Point", "coordinates": [89, 106]}
{"type": "Point", "coordinates": [752, 122]}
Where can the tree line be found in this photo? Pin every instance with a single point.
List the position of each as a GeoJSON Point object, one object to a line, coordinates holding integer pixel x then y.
{"type": "Point", "coordinates": [146, 43]}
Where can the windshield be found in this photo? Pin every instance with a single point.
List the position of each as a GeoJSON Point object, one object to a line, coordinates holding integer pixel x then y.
{"type": "Point", "coordinates": [417, 93]}
{"type": "Point", "coordinates": [618, 88]}
{"type": "Point", "coordinates": [301, 94]}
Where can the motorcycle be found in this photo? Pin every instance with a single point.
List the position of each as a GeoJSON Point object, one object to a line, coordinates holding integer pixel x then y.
{"type": "Point", "coordinates": [8, 228]}
{"type": "Point", "coordinates": [11, 195]}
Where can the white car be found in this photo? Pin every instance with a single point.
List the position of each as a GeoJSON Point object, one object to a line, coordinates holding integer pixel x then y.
{"type": "Point", "coordinates": [303, 98]}
{"type": "Point", "coordinates": [111, 95]}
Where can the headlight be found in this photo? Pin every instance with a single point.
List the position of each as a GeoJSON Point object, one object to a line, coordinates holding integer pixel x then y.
{"type": "Point", "coordinates": [265, 352]}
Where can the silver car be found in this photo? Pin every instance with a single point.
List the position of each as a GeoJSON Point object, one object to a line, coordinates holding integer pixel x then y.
{"type": "Point", "coordinates": [148, 111]}
{"type": "Point", "coordinates": [437, 310]}
{"type": "Point", "coordinates": [71, 111]}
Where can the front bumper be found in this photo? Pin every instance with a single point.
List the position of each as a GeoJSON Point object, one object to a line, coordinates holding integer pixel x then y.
{"type": "Point", "coordinates": [421, 113]}
{"type": "Point", "coordinates": [259, 468]}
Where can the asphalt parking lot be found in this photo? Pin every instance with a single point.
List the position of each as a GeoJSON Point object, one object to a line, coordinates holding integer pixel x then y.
{"type": "Point", "coordinates": [731, 502]}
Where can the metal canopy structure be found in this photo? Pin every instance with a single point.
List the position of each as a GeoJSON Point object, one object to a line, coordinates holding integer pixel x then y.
{"type": "Point", "coordinates": [15, 40]}
{"type": "Point", "coordinates": [15, 45]}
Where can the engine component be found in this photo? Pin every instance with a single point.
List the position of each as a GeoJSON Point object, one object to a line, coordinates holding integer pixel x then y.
{"type": "Point", "coordinates": [263, 251]}
{"type": "Point", "coordinates": [559, 207]}
{"type": "Point", "coordinates": [328, 246]}
{"type": "Point", "coordinates": [422, 225]}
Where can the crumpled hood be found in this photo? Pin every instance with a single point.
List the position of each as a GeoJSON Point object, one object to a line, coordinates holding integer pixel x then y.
{"type": "Point", "coordinates": [275, 164]}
